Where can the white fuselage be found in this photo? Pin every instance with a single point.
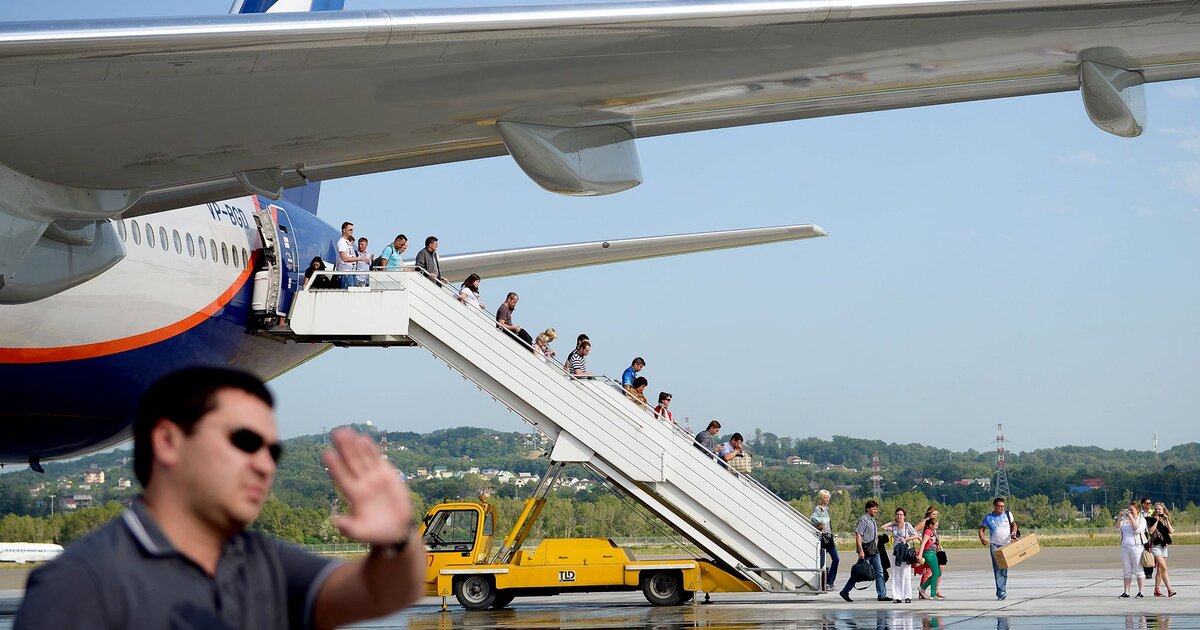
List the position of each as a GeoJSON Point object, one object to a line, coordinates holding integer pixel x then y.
{"type": "Point", "coordinates": [29, 552]}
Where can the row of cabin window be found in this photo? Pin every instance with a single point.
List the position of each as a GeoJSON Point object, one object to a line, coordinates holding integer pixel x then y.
{"type": "Point", "coordinates": [135, 231]}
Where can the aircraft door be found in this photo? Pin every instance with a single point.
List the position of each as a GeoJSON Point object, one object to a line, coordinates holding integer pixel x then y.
{"type": "Point", "coordinates": [276, 282]}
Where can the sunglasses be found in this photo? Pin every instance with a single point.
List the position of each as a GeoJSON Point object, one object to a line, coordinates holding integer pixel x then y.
{"type": "Point", "coordinates": [249, 442]}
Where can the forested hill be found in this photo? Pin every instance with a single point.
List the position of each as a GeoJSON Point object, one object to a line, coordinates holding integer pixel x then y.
{"type": "Point", "coordinates": [856, 453]}
{"type": "Point", "coordinates": [464, 462]}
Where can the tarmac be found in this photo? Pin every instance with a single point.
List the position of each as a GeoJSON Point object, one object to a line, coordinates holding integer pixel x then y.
{"type": "Point", "coordinates": [1065, 588]}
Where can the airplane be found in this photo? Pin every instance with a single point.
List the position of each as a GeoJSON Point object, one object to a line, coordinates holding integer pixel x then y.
{"type": "Point", "coordinates": [94, 307]}
{"type": "Point", "coordinates": [21, 553]}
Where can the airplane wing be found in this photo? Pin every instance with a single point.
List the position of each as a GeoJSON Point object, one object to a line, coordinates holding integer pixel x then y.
{"type": "Point", "coordinates": [511, 262]}
{"type": "Point", "coordinates": [175, 111]}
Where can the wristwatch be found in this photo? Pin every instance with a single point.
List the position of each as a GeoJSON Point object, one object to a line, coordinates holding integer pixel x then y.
{"type": "Point", "coordinates": [396, 548]}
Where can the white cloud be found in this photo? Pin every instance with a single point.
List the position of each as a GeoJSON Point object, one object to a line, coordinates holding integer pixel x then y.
{"type": "Point", "coordinates": [1082, 157]}
{"type": "Point", "coordinates": [1186, 90]}
{"type": "Point", "coordinates": [1191, 144]}
{"type": "Point", "coordinates": [1189, 137]}
{"type": "Point", "coordinates": [1189, 175]}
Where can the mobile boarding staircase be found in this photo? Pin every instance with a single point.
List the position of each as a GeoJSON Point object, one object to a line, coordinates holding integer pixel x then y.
{"type": "Point", "coordinates": [741, 524]}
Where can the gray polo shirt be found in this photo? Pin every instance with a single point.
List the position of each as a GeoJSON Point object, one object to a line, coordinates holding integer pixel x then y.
{"type": "Point", "coordinates": [127, 575]}
{"type": "Point", "coordinates": [707, 441]}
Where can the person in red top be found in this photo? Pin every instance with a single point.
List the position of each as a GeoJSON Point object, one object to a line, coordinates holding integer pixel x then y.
{"type": "Point", "coordinates": [661, 412]}
{"type": "Point", "coordinates": [929, 549]}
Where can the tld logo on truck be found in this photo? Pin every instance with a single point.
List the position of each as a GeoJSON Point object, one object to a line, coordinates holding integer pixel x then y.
{"type": "Point", "coordinates": [566, 576]}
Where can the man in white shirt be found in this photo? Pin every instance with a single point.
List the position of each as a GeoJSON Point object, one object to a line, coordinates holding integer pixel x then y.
{"type": "Point", "coordinates": [1000, 525]}
{"type": "Point", "coordinates": [347, 258]}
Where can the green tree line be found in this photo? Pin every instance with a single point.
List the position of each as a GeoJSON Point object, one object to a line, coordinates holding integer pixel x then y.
{"type": "Point", "coordinates": [304, 497]}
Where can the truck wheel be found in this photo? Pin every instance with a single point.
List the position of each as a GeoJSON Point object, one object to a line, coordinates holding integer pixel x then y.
{"type": "Point", "coordinates": [663, 588]}
{"type": "Point", "coordinates": [475, 592]}
{"type": "Point", "coordinates": [503, 598]}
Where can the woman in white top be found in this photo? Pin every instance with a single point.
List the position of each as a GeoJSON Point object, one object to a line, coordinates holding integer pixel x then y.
{"type": "Point", "coordinates": [469, 294]}
{"type": "Point", "coordinates": [902, 531]}
{"type": "Point", "coordinates": [820, 519]}
{"type": "Point", "coordinates": [1133, 536]}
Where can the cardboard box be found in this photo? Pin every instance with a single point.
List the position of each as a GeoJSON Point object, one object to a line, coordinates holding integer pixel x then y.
{"type": "Point", "coordinates": [1017, 551]}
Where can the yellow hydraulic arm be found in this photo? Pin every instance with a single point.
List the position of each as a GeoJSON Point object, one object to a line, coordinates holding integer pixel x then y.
{"type": "Point", "coordinates": [529, 515]}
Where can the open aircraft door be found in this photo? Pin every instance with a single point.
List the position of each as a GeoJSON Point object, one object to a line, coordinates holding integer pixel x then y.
{"type": "Point", "coordinates": [278, 276]}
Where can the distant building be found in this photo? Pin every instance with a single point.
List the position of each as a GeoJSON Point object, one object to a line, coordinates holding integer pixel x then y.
{"type": "Point", "coordinates": [838, 468]}
{"type": "Point", "coordinates": [1094, 484]}
{"type": "Point", "coordinates": [82, 500]}
{"type": "Point", "coordinates": [123, 483]}
{"type": "Point", "coordinates": [93, 476]}
{"type": "Point", "coordinates": [422, 471]}
{"type": "Point", "coordinates": [524, 479]}
{"type": "Point", "coordinates": [796, 461]}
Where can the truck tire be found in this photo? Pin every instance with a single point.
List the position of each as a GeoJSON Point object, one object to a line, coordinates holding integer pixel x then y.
{"type": "Point", "coordinates": [475, 592]}
{"type": "Point", "coordinates": [663, 588]}
{"type": "Point", "coordinates": [503, 598]}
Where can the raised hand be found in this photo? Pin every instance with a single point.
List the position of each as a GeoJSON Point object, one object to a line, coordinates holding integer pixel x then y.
{"type": "Point", "coordinates": [380, 506]}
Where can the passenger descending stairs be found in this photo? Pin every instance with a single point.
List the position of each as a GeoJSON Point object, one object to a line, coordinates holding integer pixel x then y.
{"type": "Point", "coordinates": [741, 524]}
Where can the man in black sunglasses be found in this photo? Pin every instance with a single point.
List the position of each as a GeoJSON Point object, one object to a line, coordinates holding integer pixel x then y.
{"type": "Point", "coordinates": [205, 451]}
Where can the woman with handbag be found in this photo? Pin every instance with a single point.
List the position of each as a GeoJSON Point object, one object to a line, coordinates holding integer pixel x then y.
{"type": "Point", "coordinates": [1132, 527]}
{"type": "Point", "coordinates": [929, 549]}
{"type": "Point", "coordinates": [821, 520]}
{"type": "Point", "coordinates": [905, 534]}
{"type": "Point", "coordinates": [1160, 529]}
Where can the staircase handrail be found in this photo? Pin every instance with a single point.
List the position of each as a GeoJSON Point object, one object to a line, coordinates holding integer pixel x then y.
{"type": "Point", "coordinates": [385, 280]}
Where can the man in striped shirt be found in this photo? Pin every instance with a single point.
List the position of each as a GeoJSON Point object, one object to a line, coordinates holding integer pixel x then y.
{"type": "Point", "coordinates": [576, 366]}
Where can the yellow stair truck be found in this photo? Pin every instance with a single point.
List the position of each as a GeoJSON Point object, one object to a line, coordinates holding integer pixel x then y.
{"type": "Point", "coordinates": [460, 560]}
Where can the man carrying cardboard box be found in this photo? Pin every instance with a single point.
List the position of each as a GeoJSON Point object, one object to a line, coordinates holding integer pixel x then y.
{"type": "Point", "coordinates": [1003, 530]}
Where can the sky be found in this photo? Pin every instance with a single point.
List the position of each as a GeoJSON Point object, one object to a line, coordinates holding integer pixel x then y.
{"type": "Point", "coordinates": [992, 262]}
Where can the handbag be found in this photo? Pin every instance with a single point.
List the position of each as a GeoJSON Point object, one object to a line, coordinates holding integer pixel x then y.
{"type": "Point", "coordinates": [741, 463]}
{"type": "Point", "coordinates": [941, 557]}
{"type": "Point", "coordinates": [862, 571]}
{"type": "Point", "coordinates": [1147, 559]}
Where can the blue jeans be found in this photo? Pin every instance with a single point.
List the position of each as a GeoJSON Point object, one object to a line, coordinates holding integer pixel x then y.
{"type": "Point", "coordinates": [1001, 574]}
{"type": "Point", "coordinates": [831, 578]}
{"type": "Point", "coordinates": [880, 584]}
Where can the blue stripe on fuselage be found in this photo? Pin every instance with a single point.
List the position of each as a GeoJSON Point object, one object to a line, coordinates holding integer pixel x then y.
{"type": "Point", "coordinates": [71, 407]}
